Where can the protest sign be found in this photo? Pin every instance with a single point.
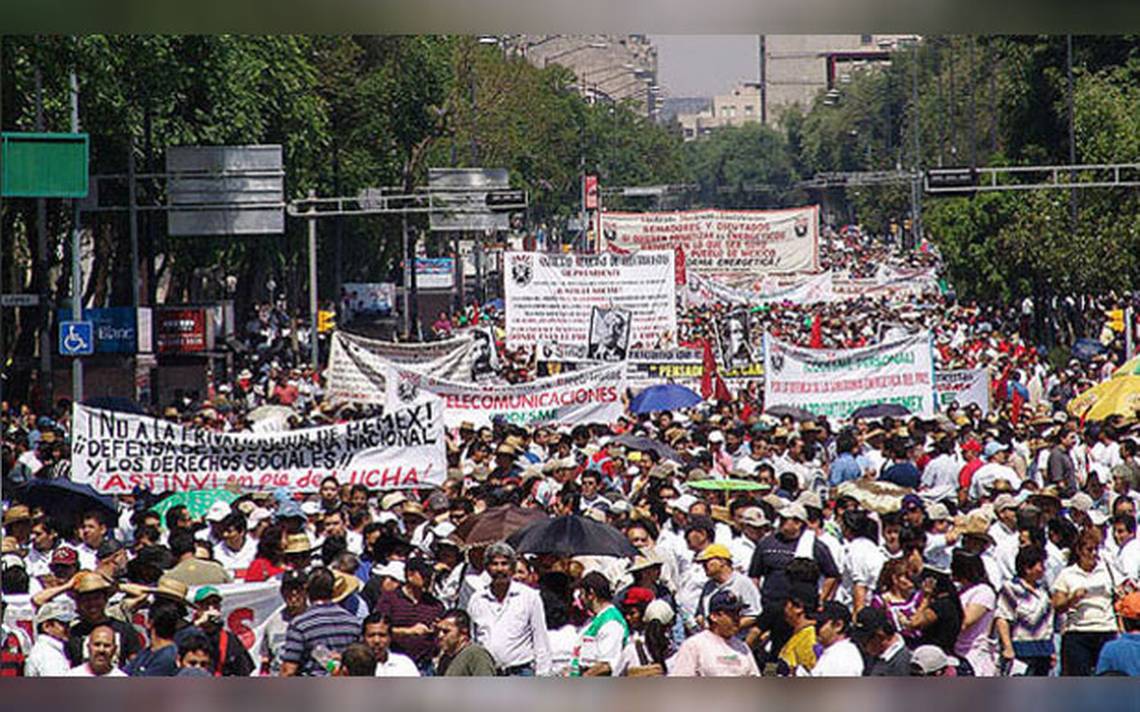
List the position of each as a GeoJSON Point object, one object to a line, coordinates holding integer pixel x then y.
{"type": "Point", "coordinates": [115, 452]}
{"type": "Point", "coordinates": [591, 395]}
{"type": "Point", "coordinates": [725, 242]}
{"type": "Point", "coordinates": [549, 297]}
{"type": "Point", "coordinates": [966, 387]}
{"type": "Point", "coordinates": [356, 364]}
{"type": "Point", "coordinates": [246, 608]}
{"type": "Point", "coordinates": [808, 289]}
{"type": "Point", "coordinates": [837, 382]}
{"type": "Point", "coordinates": [609, 335]}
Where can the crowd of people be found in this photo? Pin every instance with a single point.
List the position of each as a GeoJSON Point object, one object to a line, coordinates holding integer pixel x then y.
{"type": "Point", "coordinates": [974, 543]}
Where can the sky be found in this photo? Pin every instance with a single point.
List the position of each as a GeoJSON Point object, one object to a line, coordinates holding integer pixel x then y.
{"type": "Point", "coordinates": [705, 65]}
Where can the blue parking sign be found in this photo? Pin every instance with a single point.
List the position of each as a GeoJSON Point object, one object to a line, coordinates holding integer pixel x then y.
{"type": "Point", "coordinates": [76, 338]}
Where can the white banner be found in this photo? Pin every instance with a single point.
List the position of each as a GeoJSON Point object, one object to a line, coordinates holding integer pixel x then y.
{"type": "Point", "coordinates": [812, 289]}
{"type": "Point", "coordinates": [837, 382]}
{"type": "Point", "coordinates": [966, 386]}
{"type": "Point", "coordinates": [724, 242]}
{"type": "Point", "coordinates": [246, 607]}
{"type": "Point", "coordinates": [356, 363]}
{"type": "Point", "coordinates": [113, 452]}
{"type": "Point", "coordinates": [550, 297]}
{"type": "Point", "coordinates": [592, 395]}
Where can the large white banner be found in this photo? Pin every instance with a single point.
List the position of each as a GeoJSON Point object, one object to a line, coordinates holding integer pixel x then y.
{"type": "Point", "coordinates": [592, 395]}
{"type": "Point", "coordinates": [724, 242]}
{"type": "Point", "coordinates": [114, 452]}
{"type": "Point", "coordinates": [837, 382]}
{"type": "Point", "coordinates": [246, 608]}
{"type": "Point", "coordinates": [550, 297]}
{"type": "Point", "coordinates": [356, 363]}
{"type": "Point", "coordinates": [966, 387]}
{"type": "Point", "coordinates": [812, 289]}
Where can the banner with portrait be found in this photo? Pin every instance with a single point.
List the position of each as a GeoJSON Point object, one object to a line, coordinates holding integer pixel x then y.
{"type": "Point", "coordinates": [356, 363]}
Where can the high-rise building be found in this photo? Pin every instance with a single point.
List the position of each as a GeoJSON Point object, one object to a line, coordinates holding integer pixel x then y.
{"type": "Point", "coordinates": [611, 68]}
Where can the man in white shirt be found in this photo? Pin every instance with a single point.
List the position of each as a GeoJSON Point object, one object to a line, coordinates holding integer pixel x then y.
{"type": "Point", "coordinates": [996, 468]}
{"type": "Point", "coordinates": [101, 652]}
{"type": "Point", "coordinates": [377, 635]}
{"type": "Point", "coordinates": [509, 619]}
{"type": "Point", "coordinates": [840, 657]}
{"type": "Point", "coordinates": [1128, 548]}
{"type": "Point", "coordinates": [717, 561]}
{"type": "Point", "coordinates": [47, 657]}
{"type": "Point", "coordinates": [237, 549]}
{"type": "Point", "coordinates": [43, 541]}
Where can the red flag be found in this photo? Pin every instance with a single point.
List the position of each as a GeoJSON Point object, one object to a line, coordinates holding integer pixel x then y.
{"type": "Point", "coordinates": [709, 370]}
{"type": "Point", "coordinates": [1015, 412]}
{"type": "Point", "coordinates": [817, 332]}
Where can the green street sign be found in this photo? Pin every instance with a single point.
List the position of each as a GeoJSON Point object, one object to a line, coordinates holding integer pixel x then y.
{"type": "Point", "coordinates": [43, 165]}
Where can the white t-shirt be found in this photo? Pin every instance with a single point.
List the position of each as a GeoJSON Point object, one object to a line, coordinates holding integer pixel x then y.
{"type": "Point", "coordinates": [1093, 613]}
{"type": "Point", "coordinates": [840, 659]}
{"type": "Point", "coordinates": [397, 666]}
{"type": "Point", "coordinates": [47, 658]}
{"type": "Point", "coordinates": [562, 641]}
{"type": "Point", "coordinates": [1128, 560]}
{"type": "Point", "coordinates": [236, 560]}
{"type": "Point", "coordinates": [861, 564]}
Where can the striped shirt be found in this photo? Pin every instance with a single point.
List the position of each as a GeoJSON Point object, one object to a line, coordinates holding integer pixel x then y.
{"type": "Point", "coordinates": [324, 624]}
{"type": "Point", "coordinates": [1028, 611]}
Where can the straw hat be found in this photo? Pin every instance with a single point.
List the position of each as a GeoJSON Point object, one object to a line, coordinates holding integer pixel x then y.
{"type": "Point", "coordinates": [344, 585]}
{"type": "Point", "coordinates": [297, 544]}
{"type": "Point", "coordinates": [172, 588]}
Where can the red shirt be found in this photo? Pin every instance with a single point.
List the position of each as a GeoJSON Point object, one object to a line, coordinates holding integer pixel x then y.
{"type": "Point", "coordinates": [967, 473]}
{"type": "Point", "coordinates": [261, 570]}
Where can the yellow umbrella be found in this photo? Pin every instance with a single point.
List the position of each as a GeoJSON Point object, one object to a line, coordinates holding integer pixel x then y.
{"type": "Point", "coordinates": [1119, 395]}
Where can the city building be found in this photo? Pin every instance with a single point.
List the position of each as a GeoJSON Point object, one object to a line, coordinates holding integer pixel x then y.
{"type": "Point", "coordinates": [795, 68]}
{"type": "Point", "coordinates": [740, 106]}
{"type": "Point", "coordinates": [610, 68]}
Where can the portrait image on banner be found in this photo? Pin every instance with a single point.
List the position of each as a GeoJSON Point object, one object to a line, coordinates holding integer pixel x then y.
{"type": "Point", "coordinates": [609, 334]}
{"type": "Point", "coordinates": [484, 355]}
{"type": "Point", "coordinates": [736, 347]}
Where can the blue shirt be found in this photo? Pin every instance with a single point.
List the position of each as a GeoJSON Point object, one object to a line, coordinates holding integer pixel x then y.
{"type": "Point", "coordinates": [903, 474]}
{"type": "Point", "coordinates": [1121, 655]}
{"type": "Point", "coordinates": [844, 469]}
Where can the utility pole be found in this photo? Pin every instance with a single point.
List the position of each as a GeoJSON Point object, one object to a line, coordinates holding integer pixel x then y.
{"type": "Point", "coordinates": [42, 271]}
{"type": "Point", "coordinates": [314, 347]}
{"type": "Point", "coordinates": [76, 258]}
{"type": "Point", "coordinates": [916, 216]}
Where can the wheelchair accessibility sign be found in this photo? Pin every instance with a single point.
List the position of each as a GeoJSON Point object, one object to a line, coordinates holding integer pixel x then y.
{"type": "Point", "coordinates": [76, 338]}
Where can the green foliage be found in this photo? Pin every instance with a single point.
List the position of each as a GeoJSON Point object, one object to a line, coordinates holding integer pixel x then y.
{"type": "Point", "coordinates": [748, 166]}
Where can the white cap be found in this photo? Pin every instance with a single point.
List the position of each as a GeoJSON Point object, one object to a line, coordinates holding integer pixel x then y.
{"type": "Point", "coordinates": [658, 610]}
{"type": "Point", "coordinates": [716, 436]}
{"type": "Point", "coordinates": [218, 511]}
{"type": "Point", "coordinates": [310, 508]}
{"type": "Point", "coordinates": [257, 516]}
{"type": "Point", "coordinates": [393, 569]}
{"type": "Point", "coordinates": [393, 499]}
{"type": "Point", "coordinates": [683, 503]}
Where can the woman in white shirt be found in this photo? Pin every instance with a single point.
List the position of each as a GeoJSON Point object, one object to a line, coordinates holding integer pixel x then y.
{"type": "Point", "coordinates": [1084, 592]}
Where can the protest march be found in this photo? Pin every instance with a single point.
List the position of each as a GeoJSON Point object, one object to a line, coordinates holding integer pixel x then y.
{"type": "Point", "coordinates": [730, 444]}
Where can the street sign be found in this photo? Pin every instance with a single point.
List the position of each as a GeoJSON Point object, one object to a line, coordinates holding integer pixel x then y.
{"type": "Point", "coordinates": [76, 338]}
{"type": "Point", "coordinates": [951, 179]}
{"type": "Point", "coordinates": [43, 165]}
{"type": "Point", "coordinates": [19, 300]}
{"type": "Point", "coordinates": [226, 190]}
{"type": "Point", "coordinates": [506, 200]}
{"type": "Point", "coordinates": [459, 199]}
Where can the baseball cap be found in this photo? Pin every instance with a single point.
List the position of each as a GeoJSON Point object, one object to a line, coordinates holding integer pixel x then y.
{"type": "Point", "coordinates": [59, 609]}
{"type": "Point", "coordinates": [637, 596]}
{"type": "Point", "coordinates": [795, 510]}
{"type": "Point", "coordinates": [218, 511]}
{"type": "Point", "coordinates": [993, 447]}
{"type": "Point", "coordinates": [310, 508]}
{"type": "Point", "coordinates": [937, 512]}
{"type": "Point", "coordinates": [753, 517]}
{"type": "Point", "coordinates": [64, 556]}
{"type": "Point", "coordinates": [1129, 606]}
{"type": "Point", "coordinates": [1004, 501]}
{"type": "Point", "coordinates": [660, 611]}
{"type": "Point", "coordinates": [1080, 502]}
{"type": "Point", "coordinates": [205, 593]}
{"type": "Point", "coordinates": [911, 501]}
{"type": "Point", "coordinates": [683, 503]}
{"type": "Point", "coordinates": [725, 601]}
{"type": "Point", "coordinates": [716, 436]}
{"type": "Point", "coordinates": [869, 621]}
{"type": "Point", "coordinates": [715, 551]}
{"type": "Point", "coordinates": [971, 445]}
{"type": "Point", "coordinates": [929, 659]}
{"type": "Point", "coordinates": [108, 548]}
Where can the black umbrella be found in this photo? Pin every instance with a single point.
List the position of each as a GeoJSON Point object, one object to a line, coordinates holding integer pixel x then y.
{"type": "Point", "coordinates": [648, 445]}
{"type": "Point", "coordinates": [881, 410]}
{"type": "Point", "coordinates": [797, 414]}
{"type": "Point", "coordinates": [571, 535]}
{"type": "Point", "coordinates": [66, 500]}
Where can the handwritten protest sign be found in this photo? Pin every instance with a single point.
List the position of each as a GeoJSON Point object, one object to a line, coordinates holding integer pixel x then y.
{"type": "Point", "coordinates": [114, 452]}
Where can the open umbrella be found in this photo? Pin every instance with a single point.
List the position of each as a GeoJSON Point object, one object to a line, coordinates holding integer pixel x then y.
{"type": "Point", "coordinates": [667, 396]}
{"type": "Point", "coordinates": [726, 485]}
{"type": "Point", "coordinates": [881, 410]}
{"type": "Point", "coordinates": [791, 411]}
{"type": "Point", "coordinates": [571, 535]}
{"type": "Point", "coordinates": [65, 500]}
{"type": "Point", "coordinates": [1119, 395]}
{"type": "Point", "coordinates": [495, 524]}
{"type": "Point", "coordinates": [641, 444]}
{"type": "Point", "coordinates": [198, 502]}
